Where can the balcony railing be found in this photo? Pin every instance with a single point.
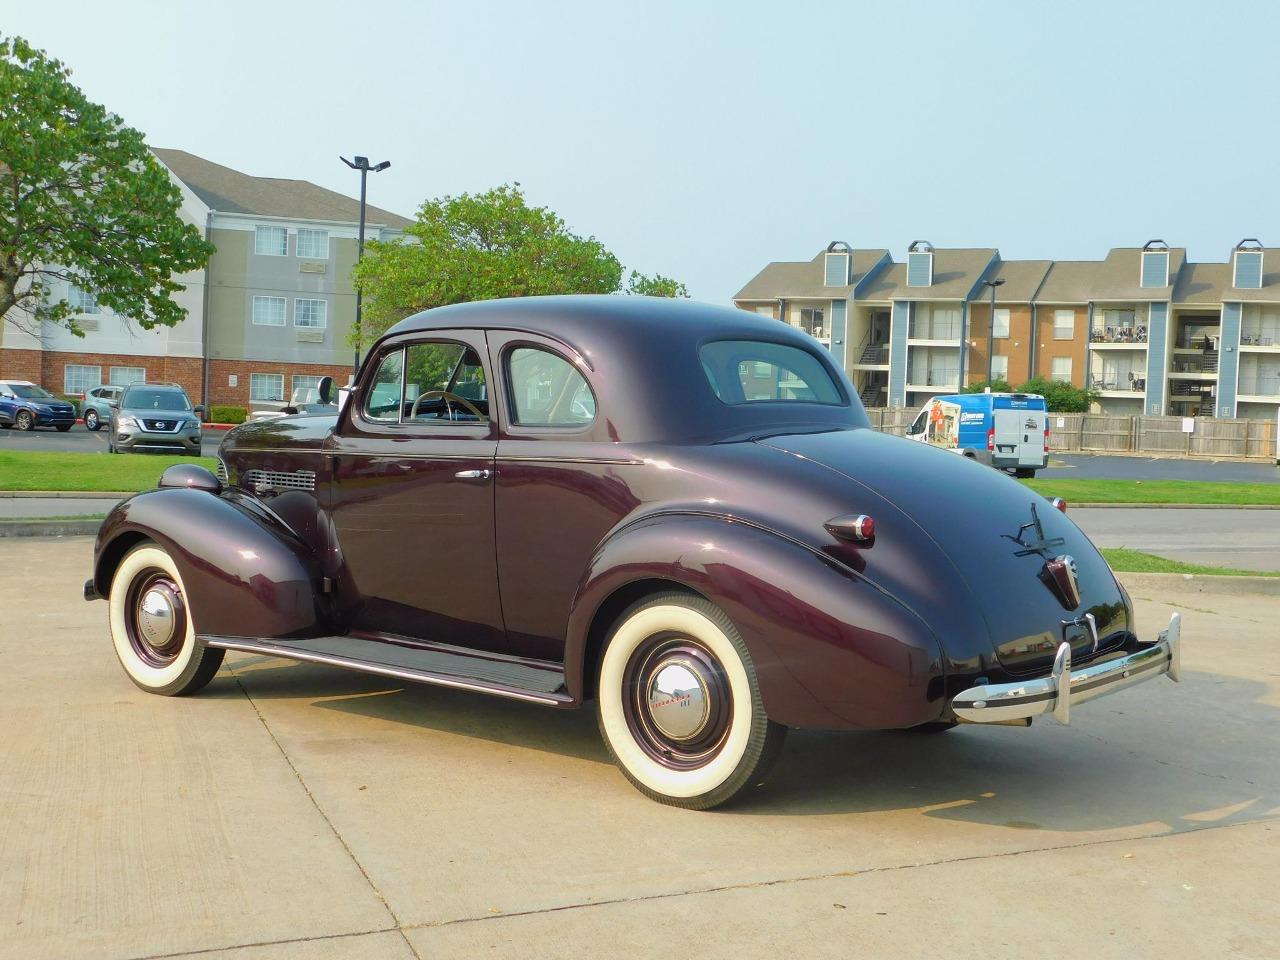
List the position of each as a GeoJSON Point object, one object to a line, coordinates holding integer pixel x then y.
{"type": "Point", "coordinates": [934, 331]}
{"type": "Point", "coordinates": [1136, 334]}
{"type": "Point", "coordinates": [1118, 381]}
{"type": "Point", "coordinates": [1256, 340]}
{"type": "Point", "coordinates": [938, 377]}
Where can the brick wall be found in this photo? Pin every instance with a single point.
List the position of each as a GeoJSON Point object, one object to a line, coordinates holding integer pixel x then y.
{"type": "Point", "coordinates": [21, 365]}
{"type": "Point", "coordinates": [1047, 347]}
{"type": "Point", "coordinates": [184, 371]}
{"type": "Point", "coordinates": [221, 392]}
{"type": "Point", "coordinates": [1017, 346]}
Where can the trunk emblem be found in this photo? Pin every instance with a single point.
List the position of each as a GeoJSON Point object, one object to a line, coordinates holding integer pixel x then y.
{"type": "Point", "coordinates": [1062, 577]}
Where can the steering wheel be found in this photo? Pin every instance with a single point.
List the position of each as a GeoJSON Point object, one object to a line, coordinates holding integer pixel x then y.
{"type": "Point", "coordinates": [449, 399]}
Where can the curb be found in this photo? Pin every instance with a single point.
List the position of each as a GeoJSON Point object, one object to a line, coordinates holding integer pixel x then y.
{"type": "Point", "coordinates": [65, 494]}
{"type": "Point", "coordinates": [1202, 583]}
{"type": "Point", "coordinates": [1172, 506]}
{"type": "Point", "coordinates": [48, 528]}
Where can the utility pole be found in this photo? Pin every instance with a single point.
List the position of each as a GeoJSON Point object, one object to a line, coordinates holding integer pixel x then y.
{"type": "Point", "coordinates": [361, 164]}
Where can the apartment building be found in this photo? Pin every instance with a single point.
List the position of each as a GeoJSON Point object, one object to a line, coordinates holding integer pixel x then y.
{"type": "Point", "coordinates": [1144, 328]}
{"type": "Point", "coordinates": [270, 313]}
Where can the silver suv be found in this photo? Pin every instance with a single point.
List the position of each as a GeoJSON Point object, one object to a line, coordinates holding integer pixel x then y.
{"type": "Point", "coordinates": [155, 416]}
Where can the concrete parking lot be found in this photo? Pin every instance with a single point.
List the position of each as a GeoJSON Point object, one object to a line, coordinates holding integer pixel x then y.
{"type": "Point", "coordinates": [292, 811]}
{"type": "Point", "coordinates": [81, 440]}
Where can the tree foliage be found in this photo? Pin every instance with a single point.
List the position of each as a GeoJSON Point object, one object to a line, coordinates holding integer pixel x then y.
{"type": "Point", "coordinates": [1059, 397]}
{"type": "Point", "coordinates": [83, 201]}
{"type": "Point", "coordinates": [480, 247]}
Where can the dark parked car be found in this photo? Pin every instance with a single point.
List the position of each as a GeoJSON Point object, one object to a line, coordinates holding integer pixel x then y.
{"type": "Point", "coordinates": [155, 416]}
{"type": "Point", "coordinates": [99, 404]}
{"type": "Point", "coordinates": [26, 405]}
{"type": "Point", "coordinates": [675, 510]}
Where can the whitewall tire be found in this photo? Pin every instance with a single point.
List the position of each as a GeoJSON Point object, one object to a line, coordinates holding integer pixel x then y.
{"type": "Point", "coordinates": [679, 703]}
{"type": "Point", "coordinates": [151, 626]}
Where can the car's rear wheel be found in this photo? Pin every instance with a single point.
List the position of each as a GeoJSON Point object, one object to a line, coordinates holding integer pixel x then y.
{"type": "Point", "coordinates": [151, 626]}
{"type": "Point", "coordinates": [679, 704]}
{"type": "Point", "coordinates": [91, 420]}
{"type": "Point", "coordinates": [24, 420]}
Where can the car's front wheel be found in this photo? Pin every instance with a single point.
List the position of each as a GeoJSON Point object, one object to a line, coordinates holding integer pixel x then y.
{"type": "Point", "coordinates": [24, 420]}
{"type": "Point", "coordinates": [151, 626]}
{"type": "Point", "coordinates": [91, 420]}
{"type": "Point", "coordinates": [679, 704]}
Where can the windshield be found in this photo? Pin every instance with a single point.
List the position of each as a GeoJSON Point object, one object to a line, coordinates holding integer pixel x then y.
{"type": "Point", "coordinates": [156, 400]}
{"type": "Point", "coordinates": [755, 371]}
{"type": "Point", "coordinates": [31, 392]}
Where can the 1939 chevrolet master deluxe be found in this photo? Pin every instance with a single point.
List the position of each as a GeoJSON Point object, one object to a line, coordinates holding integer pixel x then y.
{"type": "Point", "coordinates": [676, 510]}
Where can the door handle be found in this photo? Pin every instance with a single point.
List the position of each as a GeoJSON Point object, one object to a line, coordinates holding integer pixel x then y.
{"type": "Point", "coordinates": [473, 474]}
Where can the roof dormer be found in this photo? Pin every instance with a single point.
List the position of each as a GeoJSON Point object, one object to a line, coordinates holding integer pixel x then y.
{"type": "Point", "coordinates": [1247, 260]}
{"type": "Point", "coordinates": [1155, 264]}
{"type": "Point", "coordinates": [837, 270]}
{"type": "Point", "coordinates": [920, 264]}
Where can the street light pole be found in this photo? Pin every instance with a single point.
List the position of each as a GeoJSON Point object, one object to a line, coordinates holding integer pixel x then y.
{"type": "Point", "coordinates": [361, 164]}
{"type": "Point", "coordinates": [991, 328]}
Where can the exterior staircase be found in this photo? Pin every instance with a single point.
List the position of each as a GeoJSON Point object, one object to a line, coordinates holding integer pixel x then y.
{"type": "Point", "coordinates": [872, 353]}
{"type": "Point", "coordinates": [1209, 361]}
{"type": "Point", "coordinates": [871, 392]}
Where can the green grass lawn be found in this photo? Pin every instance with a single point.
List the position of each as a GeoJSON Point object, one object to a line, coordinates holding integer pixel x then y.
{"type": "Point", "coordinates": [1124, 560]}
{"type": "Point", "coordinates": [39, 470]}
{"type": "Point", "coordinates": [1156, 491]}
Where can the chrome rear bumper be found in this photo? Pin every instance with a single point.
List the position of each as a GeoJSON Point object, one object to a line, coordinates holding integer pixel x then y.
{"type": "Point", "coordinates": [1064, 688]}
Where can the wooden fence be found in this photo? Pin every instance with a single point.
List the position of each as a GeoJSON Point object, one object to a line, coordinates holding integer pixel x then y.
{"type": "Point", "coordinates": [1075, 432]}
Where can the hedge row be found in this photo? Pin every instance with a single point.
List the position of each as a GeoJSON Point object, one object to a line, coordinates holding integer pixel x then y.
{"type": "Point", "coordinates": [219, 414]}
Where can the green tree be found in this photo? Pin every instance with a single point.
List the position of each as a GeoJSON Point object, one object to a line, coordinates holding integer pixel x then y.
{"type": "Point", "coordinates": [997, 386]}
{"type": "Point", "coordinates": [480, 247]}
{"type": "Point", "coordinates": [1060, 397]}
{"type": "Point", "coordinates": [82, 200]}
{"type": "Point", "coordinates": [655, 286]}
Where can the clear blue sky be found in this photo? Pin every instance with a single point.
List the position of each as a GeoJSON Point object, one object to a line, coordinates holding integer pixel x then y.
{"type": "Point", "coordinates": [701, 140]}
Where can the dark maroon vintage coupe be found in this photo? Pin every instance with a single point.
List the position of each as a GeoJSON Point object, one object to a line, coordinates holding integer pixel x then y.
{"type": "Point", "coordinates": [678, 511]}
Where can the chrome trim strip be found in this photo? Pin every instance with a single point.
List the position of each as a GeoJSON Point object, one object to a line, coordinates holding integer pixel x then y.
{"type": "Point", "coordinates": [993, 703]}
{"type": "Point", "coordinates": [382, 670]}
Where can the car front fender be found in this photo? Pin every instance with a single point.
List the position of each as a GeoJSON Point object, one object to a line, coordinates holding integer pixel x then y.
{"type": "Point", "coordinates": [830, 649]}
{"type": "Point", "coordinates": [245, 573]}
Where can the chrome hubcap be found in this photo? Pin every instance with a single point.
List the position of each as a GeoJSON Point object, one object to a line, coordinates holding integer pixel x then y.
{"type": "Point", "coordinates": [156, 617]}
{"type": "Point", "coordinates": [679, 700]}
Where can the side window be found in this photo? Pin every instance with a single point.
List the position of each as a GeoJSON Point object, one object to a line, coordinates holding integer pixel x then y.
{"type": "Point", "coordinates": [444, 381]}
{"type": "Point", "coordinates": [918, 426]}
{"type": "Point", "coordinates": [547, 390]}
{"type": "Point", "coordinates": [382, 402]}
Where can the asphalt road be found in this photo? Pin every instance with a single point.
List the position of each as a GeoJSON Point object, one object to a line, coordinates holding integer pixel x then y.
{"type": "Point", "coordinates": [80, 440]}
{"type": "Point", "coordinates": [1245, 539]}
{"type": "Point", "coordinates": [293, 811]}
{"type": "Point", "coordinates": [1084, 466]}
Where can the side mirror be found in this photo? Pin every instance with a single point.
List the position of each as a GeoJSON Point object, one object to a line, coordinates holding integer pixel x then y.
{"type": "Point", "coordinates": [325, 390]}
{"type": "Point", "coordinates": [198, 408]}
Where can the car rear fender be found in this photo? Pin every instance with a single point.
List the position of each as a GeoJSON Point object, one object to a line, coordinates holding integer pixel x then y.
{"type": "Point", "coordinates": [246, 574]}
{"type": "Point", "coordinates": [830, 649]}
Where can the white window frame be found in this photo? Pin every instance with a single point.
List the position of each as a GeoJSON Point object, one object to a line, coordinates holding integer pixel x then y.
{"type": "Point", "coordinates": [256, 378]}
{"type": "Point", "coordinates": [313, 383]}
{"type": "Point", "coordinates": [311, 233]}
{"type": "Point", "coordinates": [999, 366]}
{"type": "Point", "coordinates": [82, 301]}
{"type": "Point", "coordinates": [1070, 315]}
{"type": "Point", "coordinates": [89, 382]}
{"type": "Point", "coordinates": [284, 311]}
{"type": "Point", "coordinates": [323, 315]}
{"type": "Point", "coordinates": [113, 382]}
{"type": "Point", "coordinates": [264, 249]}
{"type": "Point", "coordinates": [1055, 375]}
{"type": "Point", "coordinates": [1001, 314]}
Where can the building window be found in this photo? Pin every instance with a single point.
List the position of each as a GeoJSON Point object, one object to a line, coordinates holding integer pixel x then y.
{"type": "Point", "coordinates": [271, 241]}
{"type": "Point", "coordinates": [1001, 328]}
{"type": "Point", "coordinates": [999, 367]}
{"type": "Point", "coordinates": [78, 378]}
{"type": "Point", "coordinates": [123, 376]}
{"type": "Point", "coordinates": [313, 314]}
{"type": "Point", "coordinates": [268, 311]}
{"type": "Point", "coordinates": [1060, 369]}
{"type": "Point", "coordinates": [1064, 324]}
{"type": "Point", "coordinates": [82, 301]}
{"type": "Point", "coordinates": [266, 386]}
{"type": "Point", "coordinates": [303, 384]}
{"type": "Point", "coordinates": [812, 322]}
{"type": "Point", "coordinates": [313, 244]}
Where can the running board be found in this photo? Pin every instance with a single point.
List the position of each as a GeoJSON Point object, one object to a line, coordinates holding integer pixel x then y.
{"type": "Point", "coordinates": [531, 681]}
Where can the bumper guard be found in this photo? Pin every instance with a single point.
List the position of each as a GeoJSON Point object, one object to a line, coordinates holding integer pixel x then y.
{"type": "Point", "coordinates": [1063, 688]}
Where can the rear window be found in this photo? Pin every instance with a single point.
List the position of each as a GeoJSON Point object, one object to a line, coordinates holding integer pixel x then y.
{"type": "Point", "coordinates": [142, 399]}
{"type": "Point", "coordinates": [756, 371]}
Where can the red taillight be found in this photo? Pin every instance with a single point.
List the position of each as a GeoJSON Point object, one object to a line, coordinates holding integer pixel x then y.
{"type": "Point", "coordinates": [991, 439]}
{"type": "Point", "coordinates": [852, 527]}
{"type": "Point", "coordinates": [1046, 439]}
{"type": "Point", "coordinates": [1059, 504]}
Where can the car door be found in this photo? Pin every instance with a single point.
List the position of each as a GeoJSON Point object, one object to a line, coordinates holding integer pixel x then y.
{"type": "Point", "coordinates": [410, 496]}
{"type": "Point", "coordinates": [7, 404]}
